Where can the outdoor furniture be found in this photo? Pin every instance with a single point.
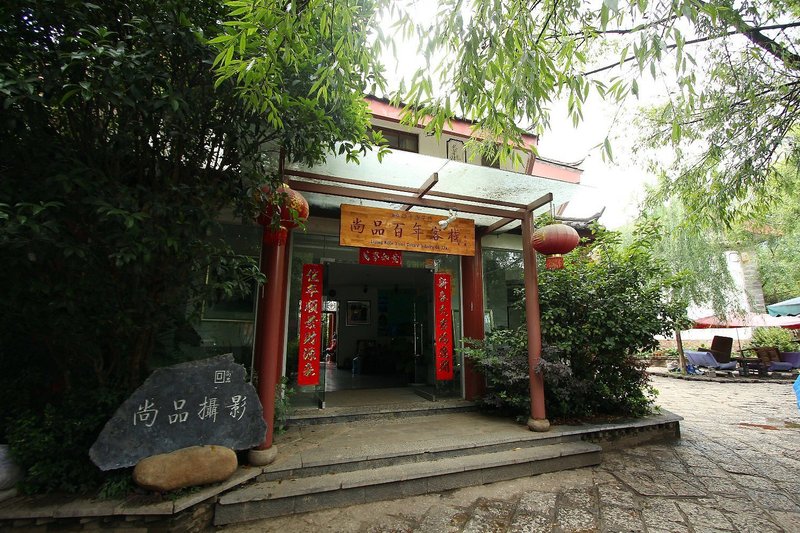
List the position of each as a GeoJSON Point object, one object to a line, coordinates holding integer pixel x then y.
{"type": "Point", "coordinates": [721, 348]}
{"type": "Point", "coordinates": [706, 359]}
{"type": "Point", "coordinates": [791, 357]}
{"type": "Point", "coordinates": [768, 360]}
{"type": "Point", "coordinates": [746, 364]}
{"type": "Point", "coordinates": [771, 359]}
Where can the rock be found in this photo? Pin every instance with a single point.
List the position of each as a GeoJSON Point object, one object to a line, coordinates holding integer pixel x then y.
{"type": "Point", "coordinates": [190, 404]}
{"type": "Point", "coordinates": [196, 465]}
{"type": "Point", "coordinates": [10, 473]}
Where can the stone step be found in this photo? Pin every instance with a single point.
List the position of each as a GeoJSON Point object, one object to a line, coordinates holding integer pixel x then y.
{"type": "Point", "coordinates": [353, 459]}
{"type": "Point", "coordinates": [338, 415]}
{"type": "Point", "coordinates": [302, 494]}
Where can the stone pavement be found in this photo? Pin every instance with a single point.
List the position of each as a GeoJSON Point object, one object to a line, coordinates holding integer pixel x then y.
{"type": "Point", "coordinates": [737, 468]}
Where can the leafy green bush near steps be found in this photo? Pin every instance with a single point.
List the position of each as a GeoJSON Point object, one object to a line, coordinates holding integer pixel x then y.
{"type": "Point", "coordinates": [605, 306]}
{"type": "Point", "coordinates": [52, 446]}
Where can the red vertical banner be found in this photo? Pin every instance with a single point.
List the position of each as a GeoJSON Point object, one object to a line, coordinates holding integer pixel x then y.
{"type": "Point", "coordinates": [310, 339]}
{"type": "Point", "coordinates": [442, 292]}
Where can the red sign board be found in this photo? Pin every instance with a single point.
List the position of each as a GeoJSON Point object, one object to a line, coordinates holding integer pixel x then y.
{"type": "Point", "coordinates": [442, 292]}
{"type": "Point", "coordinates": [374, 256]}
{"type": "Point", "coordinates": [310, 339]}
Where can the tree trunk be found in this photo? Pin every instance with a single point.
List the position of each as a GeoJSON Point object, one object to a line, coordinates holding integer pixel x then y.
{"type": "Point", "coordinates": [681, 356]}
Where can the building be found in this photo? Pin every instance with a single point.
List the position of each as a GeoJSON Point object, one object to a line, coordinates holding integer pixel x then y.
{"type": "Point", "coordinates": [386, 236]}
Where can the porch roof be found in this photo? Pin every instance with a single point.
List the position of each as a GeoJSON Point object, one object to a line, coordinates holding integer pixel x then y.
{"type": "Point", "coordinates": [495, 199]}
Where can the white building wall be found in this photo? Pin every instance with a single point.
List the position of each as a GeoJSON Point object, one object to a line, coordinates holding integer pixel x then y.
{"type": "Point", "coordinates": [430, 145]}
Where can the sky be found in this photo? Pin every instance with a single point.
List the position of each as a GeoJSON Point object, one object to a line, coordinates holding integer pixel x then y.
{"type": "Point", "coordinates": [619, 185]}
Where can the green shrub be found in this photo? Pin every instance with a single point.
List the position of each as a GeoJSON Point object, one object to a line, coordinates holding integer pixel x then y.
{"type": "Point", "coordinates": [503, 359]}
{"type": "Point", "coordinates": [605, 307]}
{"type": "Point", "coordinates": [51, 446]}
{"type": "Point", "coordinates": [783, 339]}
{"type": "Point", "coordinates": [283, 405]}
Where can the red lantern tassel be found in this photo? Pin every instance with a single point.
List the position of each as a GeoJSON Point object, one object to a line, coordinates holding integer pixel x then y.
{"type": "Point", "coordinates": [554, 262]}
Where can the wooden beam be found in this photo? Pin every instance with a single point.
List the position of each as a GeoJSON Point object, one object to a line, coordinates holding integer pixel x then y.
{"type": "Point", "coordinates": [304, 186]}
{"type": "Point", "coordinates": [496, 226]}
{"type": "Point", "coordinates": [349, 181]}
{"type": "Point", "coordinates": [424, 188]}
{"type": "Point", "coordinates": [400, 188]}
{"type": "Point", "coordinates": [539, 202]}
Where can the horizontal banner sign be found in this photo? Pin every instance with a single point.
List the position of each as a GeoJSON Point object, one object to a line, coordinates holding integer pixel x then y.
{"type": "Point", "coordinates": [387, 229]}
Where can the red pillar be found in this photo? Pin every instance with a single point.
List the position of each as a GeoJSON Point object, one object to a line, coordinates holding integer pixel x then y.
{"type": "Point", "coordinates": [284, 287]}
{"type": "Point", "coordinates": [270, 327]}
{"type": "Point", "coordinates": [472, 291]}
{"type": "Point", "coordinates": [538, 420]}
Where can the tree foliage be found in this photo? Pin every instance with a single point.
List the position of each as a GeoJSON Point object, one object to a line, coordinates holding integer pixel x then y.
{"type": "Point", "coordinates": [770, 236]}
{"type": "Point", "coordinates": [773, 235]}
{"type": "Point", "coordinates": [697, 256]}
{"type": "Point", "coordinates": [120, 152]}
{"type": "Point", "coordinates": [731, 70]}
{"type": "Point", "coordinates": [304, 66]}
{"type": "Point", "coordinates": [120, 149]}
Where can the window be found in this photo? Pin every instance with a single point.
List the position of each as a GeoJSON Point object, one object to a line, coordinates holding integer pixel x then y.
{"type": "Point", "coordinates": [502, 279]}
{"type": "Point", "coordinates": [400, 140]}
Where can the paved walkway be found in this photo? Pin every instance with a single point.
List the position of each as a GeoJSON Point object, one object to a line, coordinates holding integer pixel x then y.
{"type": "Point", "coordinates": [737, 468]}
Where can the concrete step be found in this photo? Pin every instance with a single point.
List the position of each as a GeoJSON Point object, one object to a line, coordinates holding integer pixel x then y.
{"type": "Point", "coordinates": [339, 415]}
{"type": "Point", "coordinates": [302, 494]}
{"type": "Point", "coordinates": [354, 458]}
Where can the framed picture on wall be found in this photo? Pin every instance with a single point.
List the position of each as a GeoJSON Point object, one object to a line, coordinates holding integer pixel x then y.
{"type": "Point", "coordinates": [358, 313]}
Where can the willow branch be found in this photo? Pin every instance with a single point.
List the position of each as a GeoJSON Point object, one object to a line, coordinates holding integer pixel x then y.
{"type": "Point", "coordinates": [711, 38]}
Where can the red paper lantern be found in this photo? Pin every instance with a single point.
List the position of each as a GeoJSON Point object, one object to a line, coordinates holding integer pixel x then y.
{"type": "Point", "coordinates": [292, 205]}
{"type": "Point", "coordinates": [553, 241]}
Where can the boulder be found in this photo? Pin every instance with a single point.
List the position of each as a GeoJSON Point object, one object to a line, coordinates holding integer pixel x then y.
{"type": "Point", "coordinates": [206, 402]}
{"type": "Point", "coordinates": [187, 467]}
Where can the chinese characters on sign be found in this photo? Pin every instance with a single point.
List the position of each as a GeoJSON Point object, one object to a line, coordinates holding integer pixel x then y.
{"type": "Point", "coordinates": [386, 229]}
{"type": "Point", "coordinates": [373, 256]}
{"type": "Point", "coordinates": [443, 329]}
{"type": "Point", "coordinates": [310, 326]}
{"type": "Point", "coordinates": [189, 404]}
{"type": "Point", "coordinates": [147, 413]}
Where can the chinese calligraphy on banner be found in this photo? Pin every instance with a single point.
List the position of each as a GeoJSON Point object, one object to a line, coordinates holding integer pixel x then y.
{"type": "Point", "coordinates": [387, 229]}
{"type": "Point", "coordinates": [373, 256]}
{"type": "Point", "coordinates": [310, 326]}
{"type": "Point", "coordinates": [442, 292]}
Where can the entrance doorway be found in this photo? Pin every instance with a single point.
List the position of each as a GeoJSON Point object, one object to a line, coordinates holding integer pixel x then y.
{"type": "Point", "coordinates": [374, 311]}
{"type": "Point", "coordinates": [384, 327]}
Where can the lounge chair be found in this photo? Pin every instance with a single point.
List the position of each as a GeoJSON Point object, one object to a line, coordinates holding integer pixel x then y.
{"type": "Point", "coordinates": [721, 348]}
{"type": "Point", "coordinates": [720, 351]}
{"type": "Point", "coordinates": [770, 360]}
{"type": "Point", "coordinates": [706, 359]}
{"type": "Point", "coordinates": [791, 357]}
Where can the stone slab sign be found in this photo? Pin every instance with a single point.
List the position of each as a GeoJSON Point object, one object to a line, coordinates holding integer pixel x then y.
{"type": "Point", "coordinates": [189, 404]}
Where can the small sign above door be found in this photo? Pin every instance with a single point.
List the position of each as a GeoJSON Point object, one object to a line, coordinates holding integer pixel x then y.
{"type": "Point", "coordinates": [374, 256]}
{"type": "Point", "coordinates": [373, 227]}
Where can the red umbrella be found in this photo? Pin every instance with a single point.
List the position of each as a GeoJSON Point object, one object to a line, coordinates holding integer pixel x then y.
{"type": "Point", "coordinates": [748, 320]}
